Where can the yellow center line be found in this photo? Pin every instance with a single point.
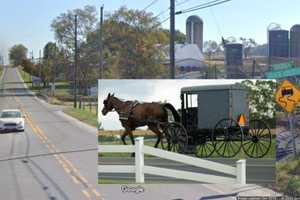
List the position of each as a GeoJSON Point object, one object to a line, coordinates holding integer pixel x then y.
{"type": "Point", "coordinates": [86, 194]}
{"type": "Point", "coordinates": [62, 160]}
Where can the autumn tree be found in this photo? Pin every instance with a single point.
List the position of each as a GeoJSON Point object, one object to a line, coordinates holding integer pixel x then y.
{"type": "Point", "coordinates": [130, 39]}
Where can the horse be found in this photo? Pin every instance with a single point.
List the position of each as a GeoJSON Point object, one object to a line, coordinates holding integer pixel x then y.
{"type": "Point", "coordinates": [133, 114]}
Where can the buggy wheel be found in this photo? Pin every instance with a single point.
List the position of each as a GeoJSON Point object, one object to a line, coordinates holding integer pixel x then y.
{"type": "Point", "coordinates": [176, 138]}
{"type": "Point", "coordinates": [205, 148]}
{"type": "Point", "coordinates": [258, 139]}
{"type": "Point", "coordinates": [228, 137]}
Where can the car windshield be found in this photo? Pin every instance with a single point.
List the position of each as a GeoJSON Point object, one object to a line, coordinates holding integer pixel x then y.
{"type": "Point", "coordinates": [10, 114]}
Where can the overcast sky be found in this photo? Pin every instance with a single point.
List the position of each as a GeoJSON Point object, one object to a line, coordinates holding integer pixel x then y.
{"type": "Point", "coordinates": [28, 22]}
{"type": "Point", "coordinates": [147, 91]}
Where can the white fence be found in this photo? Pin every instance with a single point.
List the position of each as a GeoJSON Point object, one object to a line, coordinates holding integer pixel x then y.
{"type": "Point", "coordinates": [140, 169]}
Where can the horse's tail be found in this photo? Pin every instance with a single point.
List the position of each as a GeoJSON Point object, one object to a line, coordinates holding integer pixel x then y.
{"type": "Point", "coordinates": [168, 106]}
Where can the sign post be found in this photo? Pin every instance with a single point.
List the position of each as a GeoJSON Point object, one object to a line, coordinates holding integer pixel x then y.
{"type": "Point", "coordinates": [291, 125]}
{"type": "Point", "coordinates": [288, 96]}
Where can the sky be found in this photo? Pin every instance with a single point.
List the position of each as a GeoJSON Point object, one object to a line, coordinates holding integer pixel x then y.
{"type": "Point", "coordinates": [146, 91]}
{"type": "Point", "coordinates": [28, 22]}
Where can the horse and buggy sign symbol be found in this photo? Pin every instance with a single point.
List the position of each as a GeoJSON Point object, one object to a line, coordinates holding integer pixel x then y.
{"type": "Point", "coordinates": [288, 96]}
{"type": "Point", "coordinates": [212, 120]}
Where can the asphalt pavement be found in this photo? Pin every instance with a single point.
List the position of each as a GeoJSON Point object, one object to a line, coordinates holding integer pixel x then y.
{"type": "Point", "coordinates": [55, 158]}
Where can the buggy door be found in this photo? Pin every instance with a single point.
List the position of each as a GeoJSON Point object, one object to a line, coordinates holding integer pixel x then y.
{"type": "Point", "coordinates": [190, 111]}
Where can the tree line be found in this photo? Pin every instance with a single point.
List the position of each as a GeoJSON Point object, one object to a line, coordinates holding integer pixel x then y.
{"type": "Point", "coordinates": [130, 39]}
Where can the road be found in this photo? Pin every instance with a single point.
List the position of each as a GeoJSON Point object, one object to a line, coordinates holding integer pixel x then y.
{"type": "Point", "coordinates": [258, 171]}
{"type": "Point", "coordinates": [59, 154]}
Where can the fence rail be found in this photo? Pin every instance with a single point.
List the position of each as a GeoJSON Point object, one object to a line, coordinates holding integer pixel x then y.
{"type": "Point", "coordinates": [140, 169]}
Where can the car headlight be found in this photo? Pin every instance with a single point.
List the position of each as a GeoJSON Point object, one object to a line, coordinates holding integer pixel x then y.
{"type": "Point", "coordinates": [20, 123]}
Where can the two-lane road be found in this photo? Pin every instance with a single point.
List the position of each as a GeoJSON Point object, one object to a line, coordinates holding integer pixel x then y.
{"type": "Point", "coordinates": [60, 153]}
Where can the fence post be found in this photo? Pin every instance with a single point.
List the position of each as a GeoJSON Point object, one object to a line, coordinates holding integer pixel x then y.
{"type": "Point", "coordinates": [139, 160]}
{"type": "Point", "coordinates": [241, 172]}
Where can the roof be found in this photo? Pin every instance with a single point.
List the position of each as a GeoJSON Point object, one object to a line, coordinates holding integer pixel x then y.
{"type": "Point", "coordinates": [213, 87]}
{"type": "Point", "coordinates": [193, 18]}
{"type": "Point", "coordinates": [186, 55]}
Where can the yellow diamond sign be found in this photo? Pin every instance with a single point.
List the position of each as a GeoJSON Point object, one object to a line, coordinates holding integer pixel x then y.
{"type": "Point", "coordinates": [288, 96]}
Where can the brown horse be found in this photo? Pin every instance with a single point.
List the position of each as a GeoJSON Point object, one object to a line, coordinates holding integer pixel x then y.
{"type": "Point", "coordinates": [133, 115]}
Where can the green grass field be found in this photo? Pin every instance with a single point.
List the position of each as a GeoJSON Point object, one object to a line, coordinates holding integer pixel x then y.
{"type": "Point", "coordinates": [82, 115]}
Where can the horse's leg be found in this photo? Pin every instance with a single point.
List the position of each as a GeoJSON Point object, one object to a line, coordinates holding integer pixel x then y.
{"type": "Point", "coordinates": [126, 132]}
{"type": "Point", "coordinates": [158, 133]}
{"type": "Point", "coordinates": [132, 141]}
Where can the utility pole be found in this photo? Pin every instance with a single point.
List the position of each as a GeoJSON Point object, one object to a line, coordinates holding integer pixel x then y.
{"type": "Point", "coordinates": [75, 65]}
{"type": "Point", "coordinates": [253, 68]}
{"type": "Point", "coordinates": [101, 43]}
{"type": "Point", "coordinates": [40, 69]}
{"type": "Point", "coordinates": [172, 38]}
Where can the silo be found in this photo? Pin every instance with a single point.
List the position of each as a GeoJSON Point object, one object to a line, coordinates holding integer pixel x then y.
{"type": "Point", "coordinates": [233, 59]}
{"type": "Point", "coordinates": [194, 31]}
{"type": "Point", "coordinates": [234, 54]}
{"type": "Point", "coordinates": [295, 41]}
{"type": "Point", "coordinates": [278, 43]}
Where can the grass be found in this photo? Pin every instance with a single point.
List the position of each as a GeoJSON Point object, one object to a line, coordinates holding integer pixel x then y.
{"type": "Point", "coordinates": [27, 80]}
{"type": "Point", "coordinates": [111, 181]}
{"type": "Point", "coordinates": [288, 176]}
{"type": "Point", "coordinates": [82, 115]}
{"type": "Point", "coordinates": [62, 96]}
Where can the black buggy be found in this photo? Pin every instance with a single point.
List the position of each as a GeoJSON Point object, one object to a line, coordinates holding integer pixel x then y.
{"type": "Point", "coordinates": [216, 119]}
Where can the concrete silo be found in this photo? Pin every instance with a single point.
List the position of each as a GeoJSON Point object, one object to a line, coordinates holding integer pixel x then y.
{"type": "Point", "coordinates": [234, 59]}
{"type": "Point", "coordinates": [194, 31]}
{"type": "Point", "coordinates": [278, 43]}
{"type": "Point", "coordinates": [295, 41]}
{"type": "Point", "coordinates": [234, 54]}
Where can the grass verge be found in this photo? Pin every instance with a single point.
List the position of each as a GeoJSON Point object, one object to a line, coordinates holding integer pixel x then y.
{"type": "Point", "coordinates": [288, 176]}
{"type": "Point", "coordinates": [82, 115]}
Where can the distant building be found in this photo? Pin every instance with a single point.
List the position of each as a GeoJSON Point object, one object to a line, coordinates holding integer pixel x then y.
{"type": "Point", "coordinates": [295, 41]}
{"type": "Point", "coordinates": [194, 31]}
{"type": "Point", "coordinates": [278, 43]}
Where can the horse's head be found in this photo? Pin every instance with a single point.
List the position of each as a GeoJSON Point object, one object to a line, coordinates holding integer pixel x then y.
{"type": "Point", "coordinates": [108, 104]}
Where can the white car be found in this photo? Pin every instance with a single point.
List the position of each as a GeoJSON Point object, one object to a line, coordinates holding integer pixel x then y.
{"type": "Point", "coordinates": [11, 120]}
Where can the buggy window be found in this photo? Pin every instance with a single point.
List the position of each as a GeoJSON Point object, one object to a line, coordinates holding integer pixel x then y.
{"type": "Point", "coordinates": [192, 100]}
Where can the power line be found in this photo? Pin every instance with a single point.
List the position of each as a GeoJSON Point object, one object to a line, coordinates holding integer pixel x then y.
{"type": "Point", "coordinates": [203, 6]}
{"type": "Point", "coordinates": [166, 10]}
{"type": "Point", "coordinates": [160, 23]}
{"type": "Point", "coordinates": [149, 5]}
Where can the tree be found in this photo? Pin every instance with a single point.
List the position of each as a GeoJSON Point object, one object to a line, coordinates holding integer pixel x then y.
{"type": "Point", "coordinates": [262, 100]}
{"type": "Point", "coordinates": [51, 60]}
{"type": "Point", "coordinates": [130, 43]}
{"type": "Point", "coordinates": [210, 48]}
{"type": "Point", "coordinates": [17, 53]}
{"type": "Point", "coordinates": [29, 67]}
{"type": "Point", "coordinates": [180, 37]}
{"type": "Point", "coordinates": [64, 26]}
{"type": "Point", "coordinates": [248, 45]}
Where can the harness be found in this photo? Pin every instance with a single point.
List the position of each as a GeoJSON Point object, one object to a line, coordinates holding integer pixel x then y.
{"type": "Point", "coordinates": [125, 115]}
